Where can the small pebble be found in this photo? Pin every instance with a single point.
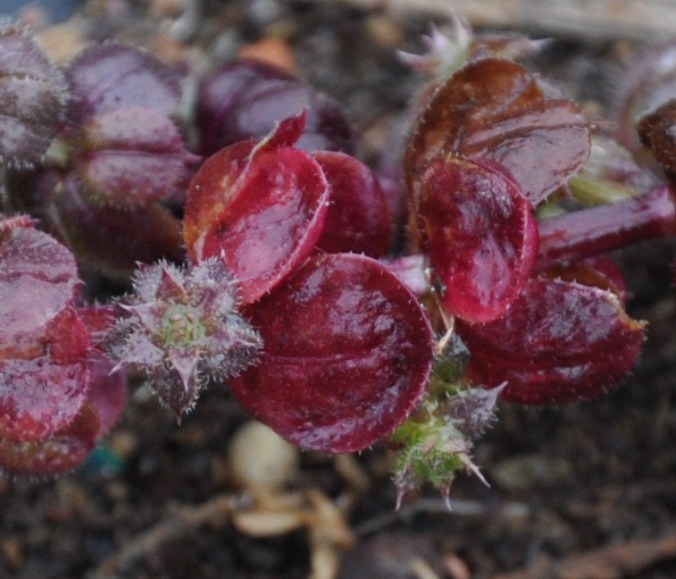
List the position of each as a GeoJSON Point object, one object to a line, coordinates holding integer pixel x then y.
{"type": "Point", "coordinates": [259, 458]}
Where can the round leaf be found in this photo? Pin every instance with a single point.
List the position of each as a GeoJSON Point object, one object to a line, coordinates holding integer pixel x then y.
{"type": "Point", "coordinates": [44, 384]}
{"type": "Point", "coordinates": [38, 279]}
{"type": "Point", "coordinates": [61, 452]}
{"type": "Point", "coordinates": [480, 236]}
{"type": "Point", "coordinates": [109, 76]}
{"type": "Point", "coordinates": [359, 218]}
{"type": "Point", "coordinates": [259, 207]}
{"type": "Point", "coordinates": [131, 156]}
{"type": "Point", "coordinates": [347, 352]}
{"type": "Point", "coordinates": [33, 95]}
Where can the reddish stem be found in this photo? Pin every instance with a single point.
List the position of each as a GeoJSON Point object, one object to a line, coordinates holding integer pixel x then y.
{"type": "Point", "coordinates": [585, 233]}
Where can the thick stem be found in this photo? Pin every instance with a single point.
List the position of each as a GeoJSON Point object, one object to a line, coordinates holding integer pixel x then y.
{"type": "Point", "coordinates": [585, 233]}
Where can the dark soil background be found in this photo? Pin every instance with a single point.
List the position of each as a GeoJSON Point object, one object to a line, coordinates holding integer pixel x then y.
{"type": "Point", "coordinates": [581, 491]}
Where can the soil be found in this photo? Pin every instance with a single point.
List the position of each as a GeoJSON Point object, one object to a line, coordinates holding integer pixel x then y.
{"type": "Point", "coordinates": [580, 491]}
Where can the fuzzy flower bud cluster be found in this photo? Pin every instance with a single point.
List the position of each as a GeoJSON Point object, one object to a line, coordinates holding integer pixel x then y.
{"type": "Point", "coordinates": [183, 329]}
{"type": "Point", "coordinates": [437, 440]}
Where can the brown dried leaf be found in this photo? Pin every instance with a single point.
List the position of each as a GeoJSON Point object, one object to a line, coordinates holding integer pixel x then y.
{"type": "Point", "coordinates": [493, 108]}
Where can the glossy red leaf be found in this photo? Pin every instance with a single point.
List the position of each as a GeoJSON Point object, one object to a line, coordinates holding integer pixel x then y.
{"type": "Point", "coordinates": [259, 207]}
{"type": "Point", "coordinates": [563, 384]}
{"type": "Point", "coordinates": [68, 447]}
{"type": "Point", "coordinates": [479, 234]}
{"type": "Point", "coordinates": [358, 219]}
{"type": "Point", "coordinates": [559, 342]}
{"type": "Point", "coordinates": [347, 352]}
{"type": "Point", "coordinates": [494, 109]}
{"type": "Point", "coordinates": [43, 344]}
{"type": "Point", "coordinates": [106, 396]}
{"type": "Point", "coordinates": [600, 271]}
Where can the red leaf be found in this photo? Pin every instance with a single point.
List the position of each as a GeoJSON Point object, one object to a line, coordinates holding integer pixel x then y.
{"type": "Point", "coordinates": [600, 271]}
{"type": "Point", "coordinates": [259, 207]}
{"type": "Point", "coordinates": [44, 383]}
{"type": "Point", "coordinates": [111, 239]}
{"type": "Point", "coordinates": [480, 236]}
{"type": "Point", "coordinates": [68, 447]}
{"type": "Point", "coordinates": [131, 156]}
{"type": "Point", "coordinates": [61, 452]}
{"type": "Point", "coordinates": [347, 353]}
{"type": "Point", "coordinates": [38, 278]}
{"type": "Point", "coordinates": [359, 218]}
{"type": "Point", "coordinates": [43, 344]}
{"type": "Point", "coordinates": [245, 98]}
{"type": "Point", "coordinates": [559, 342]}
{"type": "Point", "coordinates": [107, 393]}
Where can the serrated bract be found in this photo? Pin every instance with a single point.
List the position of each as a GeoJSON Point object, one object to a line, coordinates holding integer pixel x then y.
{"type": "Point", "coordinates": [182, 329]}
{"type": "Point", "coordinates": [348, 350]}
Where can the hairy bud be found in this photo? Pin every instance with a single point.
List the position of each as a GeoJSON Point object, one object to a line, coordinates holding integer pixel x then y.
{"type": "Point", "coordinates": [183, 328]}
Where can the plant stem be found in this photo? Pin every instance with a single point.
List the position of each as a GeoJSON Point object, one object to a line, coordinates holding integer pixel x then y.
{"type": "Point", "coordinates": [585, 233]}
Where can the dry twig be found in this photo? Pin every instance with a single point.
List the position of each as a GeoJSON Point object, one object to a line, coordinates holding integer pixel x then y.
{"type": "Point", "coordinates": [649, 20]}
{"type": "Point", "coordinates": [425, 505]}
{"type": "Point", "coordinates": [610, 562]}
{"type": "Point", "coordinates": [178, 523]}
{"type": "Point", "coordinates": [260, 515]}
